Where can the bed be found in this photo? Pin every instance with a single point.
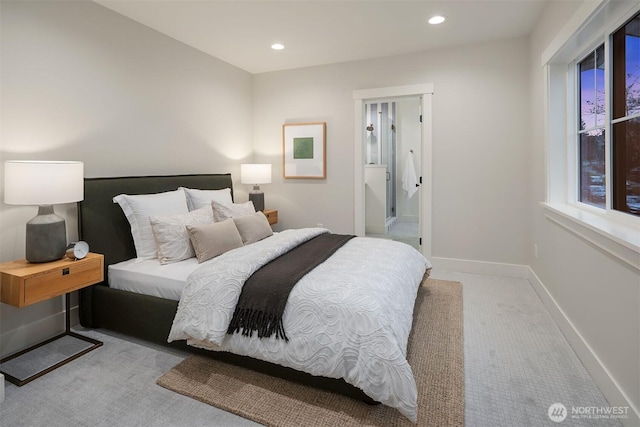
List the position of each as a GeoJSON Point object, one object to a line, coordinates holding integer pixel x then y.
{"type": "Point", "coordinates": [156, 315]}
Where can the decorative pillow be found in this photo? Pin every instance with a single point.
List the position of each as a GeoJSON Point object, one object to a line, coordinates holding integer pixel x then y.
{"type": "Point", "coordinates": [222, 210]}
{"type": "Point", "coordinates": [214, 239]}
{"type": "Point", "coordinates": [197, 199]}
{"type": "Point", "coordinates": [253, 227]}
{"type": "Point", "coordinates": [172, 238]}
{"type": "Point", "coordinates": [138, 208]}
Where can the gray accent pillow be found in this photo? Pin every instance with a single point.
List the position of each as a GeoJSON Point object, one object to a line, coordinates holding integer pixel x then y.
{"type": "Point", "coordinates": [172, 238]}
{"type": "Point", "coordinates": [214, 239]}
{"type": "Point", "coordinates": [222, 210]}
{"type": "Point", "coordinates": [253, 227]}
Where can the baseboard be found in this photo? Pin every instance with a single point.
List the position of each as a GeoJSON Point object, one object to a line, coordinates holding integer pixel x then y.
{"type": "Point", "coordinates": [480, 267]}
{"type": "Point", "coordinates": [590, 360]}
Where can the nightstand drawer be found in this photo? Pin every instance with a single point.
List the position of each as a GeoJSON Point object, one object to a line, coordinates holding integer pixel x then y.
{"type": "Point", "coordinates": [272, 215]}
{"type": "Point", "coordinates": [25, 283]}
{"type": "Point", "coordinates": [61, 280]}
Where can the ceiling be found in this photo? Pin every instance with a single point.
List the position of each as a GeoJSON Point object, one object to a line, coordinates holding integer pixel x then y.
{"type": "Point", "coordinates": [317, 32]}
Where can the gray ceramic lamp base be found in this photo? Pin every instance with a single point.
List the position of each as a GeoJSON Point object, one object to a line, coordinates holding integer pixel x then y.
{"type": "Point", "coordinates": [46, 236]}
{"type": "Point", "coordinates": [257, 197]}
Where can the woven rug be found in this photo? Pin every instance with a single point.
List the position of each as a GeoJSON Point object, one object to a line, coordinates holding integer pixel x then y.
{"type": "Point", "coordinates": [435, 353]}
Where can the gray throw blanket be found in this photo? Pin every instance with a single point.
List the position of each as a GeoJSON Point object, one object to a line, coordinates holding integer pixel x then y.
{"type": "Point", "coordinates": [264, 295]}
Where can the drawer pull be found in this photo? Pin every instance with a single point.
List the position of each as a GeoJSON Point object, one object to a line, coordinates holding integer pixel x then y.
{"type": "Point", "coordinates": [65, 271]}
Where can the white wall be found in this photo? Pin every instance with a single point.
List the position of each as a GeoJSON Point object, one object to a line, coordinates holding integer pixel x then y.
{"type": "Point", "coordinates": [480, 143]}
{"type": "Point", "coordinates": [80, 82]}
{"type": "Point", "coordinates": [594, 292]}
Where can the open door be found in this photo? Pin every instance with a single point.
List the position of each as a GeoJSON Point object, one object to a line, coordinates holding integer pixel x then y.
{"type": "Point", "coordinates": [422, 94]}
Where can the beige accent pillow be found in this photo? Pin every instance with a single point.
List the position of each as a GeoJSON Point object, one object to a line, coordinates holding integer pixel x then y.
{"type": "Point", "coordinates": [212, 240]}
{"type": "Point", "coordinates": [172, 238]}
{"type": "Point", "coordinates": [253, 227]}
{"type": "Point", "coordinates": [222, 210]}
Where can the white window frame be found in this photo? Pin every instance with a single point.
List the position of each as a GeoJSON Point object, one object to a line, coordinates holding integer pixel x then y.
{"type": "Point", "coordinates": [614, 232]}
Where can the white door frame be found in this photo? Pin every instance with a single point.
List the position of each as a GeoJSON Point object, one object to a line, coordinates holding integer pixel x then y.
{"type": "Point", "coordinates": [425, 91]}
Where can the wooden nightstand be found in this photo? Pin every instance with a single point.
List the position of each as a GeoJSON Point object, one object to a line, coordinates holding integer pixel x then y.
{"type": "Point", "coordinates": [23, 283]}
{"type": "Point", "coordinates": [272, 215]}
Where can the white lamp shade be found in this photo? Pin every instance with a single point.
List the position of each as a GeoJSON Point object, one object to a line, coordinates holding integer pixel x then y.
{"type": "Point", "coordinates": [255, 174]}
{"type": "Point", "coordinates": [31, 182]}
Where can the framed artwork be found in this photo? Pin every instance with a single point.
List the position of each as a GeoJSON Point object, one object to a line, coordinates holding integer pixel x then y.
{"type": "Point", "coordinates": [304, 150]}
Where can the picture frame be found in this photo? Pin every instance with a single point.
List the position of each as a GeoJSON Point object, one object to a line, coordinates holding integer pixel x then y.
{"type": "Point", "coordinates": [304, 150]}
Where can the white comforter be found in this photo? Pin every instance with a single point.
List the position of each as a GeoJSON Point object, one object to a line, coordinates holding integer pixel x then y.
{"type": "Point", "coordinates": [348, 318]}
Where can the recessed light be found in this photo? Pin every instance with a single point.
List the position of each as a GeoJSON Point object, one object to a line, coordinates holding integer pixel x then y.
{"type": "Point", "coordinates": [277, 46]}
{"type": "Point", "coordinates": [437, 19]}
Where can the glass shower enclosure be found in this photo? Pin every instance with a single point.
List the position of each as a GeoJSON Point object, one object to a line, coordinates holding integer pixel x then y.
{"type": "Point", "coordinates": [381, 148]}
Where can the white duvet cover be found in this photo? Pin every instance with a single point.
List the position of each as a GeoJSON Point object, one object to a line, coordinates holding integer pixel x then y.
{"type": "Point", "coordinates": [349, 318]}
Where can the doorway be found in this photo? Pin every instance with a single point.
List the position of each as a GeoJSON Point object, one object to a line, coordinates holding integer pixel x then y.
{"type": "Point", "coordinates": [392, 164]}
{"type": "Point", "coordinates": [422, 156]}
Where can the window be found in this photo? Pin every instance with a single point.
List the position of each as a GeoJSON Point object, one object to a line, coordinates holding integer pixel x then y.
{"type": "Point", "coordinates": [618, 80]}
{"type": "Point", "coordinates": [592, 120]}
{"type": "Point", "coordinates": [591, 132]}
{"type": "Point", "coordinates": [625, 147]}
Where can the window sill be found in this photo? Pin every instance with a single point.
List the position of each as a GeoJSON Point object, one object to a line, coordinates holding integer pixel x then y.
{"type": "Point", "coordinates": [618, 238]}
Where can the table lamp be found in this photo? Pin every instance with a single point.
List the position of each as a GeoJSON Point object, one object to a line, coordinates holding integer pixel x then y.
{"type": "Point", "coordinates": [44, 183]}
{"type": "Point", "coordinates": [256, 174]}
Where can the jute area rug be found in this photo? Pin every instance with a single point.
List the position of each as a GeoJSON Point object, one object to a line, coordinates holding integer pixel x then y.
{"type": "Point", "coordinates": [435, 353]}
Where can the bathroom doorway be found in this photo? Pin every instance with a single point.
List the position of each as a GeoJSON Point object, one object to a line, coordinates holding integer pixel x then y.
{"type": "Point", "coordinates": [392, 164]}
{"type": "Point", "coordinates": [422, 94]}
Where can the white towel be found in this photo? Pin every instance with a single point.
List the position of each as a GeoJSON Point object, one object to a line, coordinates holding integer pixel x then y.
{"type": "Point", "coordinates": [409, 179]}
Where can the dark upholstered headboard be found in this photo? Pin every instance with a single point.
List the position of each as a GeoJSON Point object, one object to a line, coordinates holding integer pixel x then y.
{"type": "Point", "coordinates": [101, 222]}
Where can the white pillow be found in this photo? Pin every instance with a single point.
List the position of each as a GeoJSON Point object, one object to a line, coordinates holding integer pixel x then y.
{"type": "Point", "coordinates": [172, 238]}
{"type": "Point", "coordinates": [222, 210]}
{"type": "Point", "coordinates": [197, 199]}
{"type": "Point", "coordinates": [138, 209]}
{"type": "Point", "coordinates": [253, 228]}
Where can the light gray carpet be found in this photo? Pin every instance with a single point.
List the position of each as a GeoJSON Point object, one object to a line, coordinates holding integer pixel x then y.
{"type": "Point", "coordinates": [517, 363]}
{"type": "Point", "coordinates": [114, 385]}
